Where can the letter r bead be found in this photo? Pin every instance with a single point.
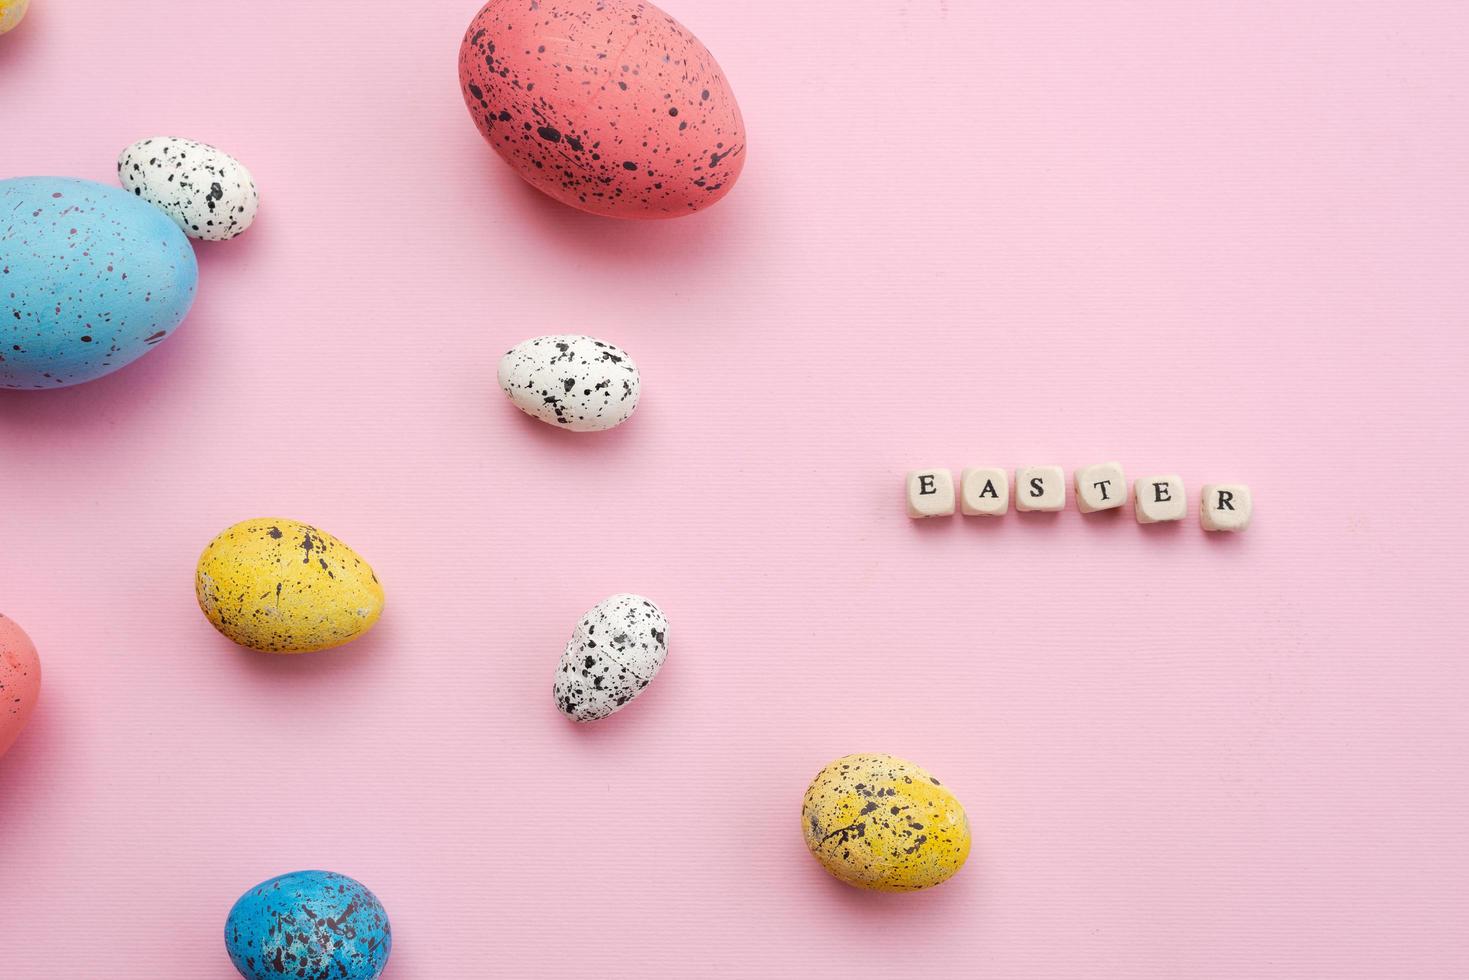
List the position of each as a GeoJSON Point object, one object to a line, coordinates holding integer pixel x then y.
{"type": "Point", "coordinates": [1225, 507]}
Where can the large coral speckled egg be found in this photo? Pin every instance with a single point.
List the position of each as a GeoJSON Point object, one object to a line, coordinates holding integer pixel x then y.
{"type": "Point", "coordinates": [570, 381]}
{"type": "Point", "coordinates": [877, 822]}
{"type": "Point", "coordinates": [311, 924]}
{"type": "Point", "coordinates": [91, 279]}
{"type": "Point", "coordinates": [20, 681]}
{"type": "Point", "coordinates": [207, 192]}
{"type": "Point", "coordinates": [610, 106]}
{"type": "Point", "coordinates": [281, 586]}
{"type": "Point", "coordinates": [614, 653]}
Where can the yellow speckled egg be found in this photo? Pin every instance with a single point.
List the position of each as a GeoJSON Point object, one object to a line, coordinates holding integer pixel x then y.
{"type": "Point", "coordinates": [881, 823]}
{"type": "Point", "coordinates": [11, 11]}
{"type": "Point", "coordinates": [285, 587]}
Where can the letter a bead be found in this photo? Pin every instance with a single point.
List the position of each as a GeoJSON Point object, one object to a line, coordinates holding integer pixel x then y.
{"type": "Point", "coordinates": [984, 490]}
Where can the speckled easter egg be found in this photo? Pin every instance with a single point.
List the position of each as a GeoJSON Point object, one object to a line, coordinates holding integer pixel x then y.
{"type": "Point", "coordinates": [281, 586]}
{"type": "Point", "coordinates": [308, 925]}
{"type": "Point", "coordinates": [91, 279]}
{"type": "Point", "coordinates": [573, 382]}
{"type": "Point", "coordinates": [207, 192]}
{"type": "Point", "coordinates": [11, 11]}
{"type": "Point", "coordinates": [881, 823]}
{"type": "Point", "coordinates": [615, 651]}
{"type": "Point", "coordinates": [610, 106]}
{"type": "Point", "coordinates": [20, 681]}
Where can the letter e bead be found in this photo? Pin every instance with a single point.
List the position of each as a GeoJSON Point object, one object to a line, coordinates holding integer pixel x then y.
{"type": "Point", "coordinates": [930, 493]}
{"type": "Point", "coordinates": [1159, 498]}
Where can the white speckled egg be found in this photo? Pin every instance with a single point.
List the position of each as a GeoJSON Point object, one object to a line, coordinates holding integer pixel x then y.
{"type": "Point", "coordinates": [207, 192]}
{"type": "Point", "coordinates": [615, 652]}
{"type": "Point", "coordinates": [574, 382]}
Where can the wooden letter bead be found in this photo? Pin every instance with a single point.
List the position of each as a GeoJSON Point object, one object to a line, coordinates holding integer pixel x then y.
{"type": "Point", "coordinates": [1225, 507]}
{"type": "Point", "coordinates": [1040, 488]}
{"type": "Point", "coordinates": [930, 493]}
{"type": "Point", "coordinates": [1159, 498]}
{"type": "Point", "coordinates": [1100, 487]}
{"type": "Point", "coordinates": [984, 490]}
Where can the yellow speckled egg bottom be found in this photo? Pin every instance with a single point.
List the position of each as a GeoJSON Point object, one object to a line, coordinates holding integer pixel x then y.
{"type": "Point", "coordinates": [281, 586]}
{"type": "Point", "coordinates": [881, 823]}
{"type": "Point", "coordinates": [11, 11]}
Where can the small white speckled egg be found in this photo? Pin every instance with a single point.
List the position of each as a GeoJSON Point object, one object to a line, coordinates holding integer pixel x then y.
{"type": "Point", "coordinates": [571, 381]}
{"type": "Point", "coordinates": [615, 652]}
{"type": "Point", "coordinates": [206, 191]}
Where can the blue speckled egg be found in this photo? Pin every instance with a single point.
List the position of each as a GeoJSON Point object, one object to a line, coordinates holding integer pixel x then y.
{"type": "Point", "coordinates": [91, 278]}
{"type": "Point", "coordinates": [308, 925]}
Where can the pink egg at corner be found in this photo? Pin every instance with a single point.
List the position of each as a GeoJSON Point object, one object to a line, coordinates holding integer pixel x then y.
{"type": "Point", "coordinates": [610, 106]}
{"type": "Point", "coordinates": [20, 681]}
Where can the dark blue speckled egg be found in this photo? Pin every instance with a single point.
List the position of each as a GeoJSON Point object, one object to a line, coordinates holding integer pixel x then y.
{"type": "Point", "coordinates": [308, 925]}
{"type": "Point", "coordinates": [91, 279]}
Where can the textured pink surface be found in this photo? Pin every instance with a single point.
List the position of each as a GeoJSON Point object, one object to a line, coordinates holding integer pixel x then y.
{"type": "Point", "coordinates": [1222, 239]}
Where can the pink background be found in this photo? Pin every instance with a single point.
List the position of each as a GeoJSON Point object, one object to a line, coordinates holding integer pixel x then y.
{"type": "Point", "coordinates": [1223, 239]}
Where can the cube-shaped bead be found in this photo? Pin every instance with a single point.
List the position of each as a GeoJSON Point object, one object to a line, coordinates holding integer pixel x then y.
{"type": "Point", "coordinates": [930, 493]}
{"type": "Point", "coordinates": [1040, 488]}
{"type": "Point", "coordinates": [984, 491]}
{"type": "Point", "coordinates": [1225, 507]}
{"type": "Point", "coordinates": [1100, 487]}
{"type": "Point", "coordinates": [1159, 498]}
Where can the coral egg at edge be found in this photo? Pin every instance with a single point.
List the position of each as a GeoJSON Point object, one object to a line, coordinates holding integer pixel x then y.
{"type": "Point", "coordinates": [20, 681]}
{"type": "Point", "coordinates": [609, 106]}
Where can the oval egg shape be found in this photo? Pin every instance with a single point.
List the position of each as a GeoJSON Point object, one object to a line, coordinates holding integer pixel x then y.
{"type": "Point", "coordinates": [11, 12]}
{"type": "Point", "coordinates": [615, 652]}
{"type": "Point", "coordinates": [20, 681]}
{"type": "Point", "coordinates": [280, 586]}
{"type": "Point", "coordinates": [91, 279]}
{"type": "Point", "coordinates": [610, 106]}
{"type": "Point", "coordinates": [208, 193]}
{"type": "Point", "coordinates": [571, 381]}
{"type": "Point", "coordinates": [308, 924]}
{"type": "Point", "coordinates": [877, 822]}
